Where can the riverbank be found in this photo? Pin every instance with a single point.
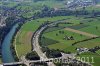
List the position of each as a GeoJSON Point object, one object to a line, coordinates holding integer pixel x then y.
{"type": "Point", "coordinates": [0, 59]}
{"type": "Point", "coordinates": [6, 45]}
{"type": "Point", "coordinates": [13, 45]}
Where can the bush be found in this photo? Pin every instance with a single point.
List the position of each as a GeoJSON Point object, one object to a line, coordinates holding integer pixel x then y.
{"type": "Point", "coordinates": [53, 53]}
{"type": "Point", "coordinates": [32, 56]}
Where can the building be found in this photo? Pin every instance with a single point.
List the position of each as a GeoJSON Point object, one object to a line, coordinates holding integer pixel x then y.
{"type": "Point", "coordinates": [79, 3]}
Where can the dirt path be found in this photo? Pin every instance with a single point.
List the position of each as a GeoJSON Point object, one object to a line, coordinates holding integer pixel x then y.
{"type": "Point", "coordinates": [81, 32]}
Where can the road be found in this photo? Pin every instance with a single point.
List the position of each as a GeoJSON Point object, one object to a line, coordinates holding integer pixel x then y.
{"type": "Point", "coordinates": [27, 62]}
{"type": "Point", "coordinates": [37, 47]}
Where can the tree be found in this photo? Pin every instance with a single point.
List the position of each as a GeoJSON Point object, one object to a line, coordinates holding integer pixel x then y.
{"type": "Point", "coordinates": [53, 53]}
{"type": "Point", "coordinates": [96, 27]}
{"type": "Point", "coordinates": [72, 38]}
{"type": "Point", "coordinates": [56, 34]}
{"type": "Point", "coordinates": [32, 56]}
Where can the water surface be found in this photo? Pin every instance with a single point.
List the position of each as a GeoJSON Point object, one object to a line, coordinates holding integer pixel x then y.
{"type": "Point", "coordinates": [6, 52]}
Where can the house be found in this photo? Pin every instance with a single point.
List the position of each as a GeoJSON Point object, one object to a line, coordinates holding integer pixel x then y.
{"type": "Point", "coordinates": [79, 3]}
{"type": "Point", "coordinates": [82, 50]}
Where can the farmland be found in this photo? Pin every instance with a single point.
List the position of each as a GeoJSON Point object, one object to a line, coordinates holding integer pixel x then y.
{"type": "Point", "coordinates": [49, 37]}
{"type": "Point", "coordinates": [23, 37]}
{"type": "Point", "coordinates": [34, 7]}
{"type": "Point", "coordinates": [75, 29]}
{"type": "Point", "coordinates": [63, 44]}
{"type": "Point", "coordinates": [66, 45]}
{"type": "Point", "coordinates": [93, 58]}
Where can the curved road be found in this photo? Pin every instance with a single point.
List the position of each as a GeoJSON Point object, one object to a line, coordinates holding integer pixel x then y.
{"type": "Point", "coordinates": [36, 46]}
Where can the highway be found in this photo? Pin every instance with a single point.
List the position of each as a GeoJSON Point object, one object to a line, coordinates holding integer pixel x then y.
{"type": "Point", "coordinates": [36, 45]}
{"type": "Point", "coordinates": [37, 48]}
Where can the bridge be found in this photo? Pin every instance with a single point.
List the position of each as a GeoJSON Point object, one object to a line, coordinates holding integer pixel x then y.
{"type": "Point", "coordinates": [37, 48]}
{"type": "Point", "coordinates": [27, 62]}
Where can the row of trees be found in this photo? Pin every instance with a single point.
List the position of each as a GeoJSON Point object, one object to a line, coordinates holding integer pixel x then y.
{"type": "Point", "coordinates": [51, 12]}
{"type": "Point", "coordinates": [94, 49]}
{"type": "Point", "coordinates": [5, 30]}
{"type": "Point", "coordinates": [51, 53]}
{"type": "Point", "coordinates": [11, 20]}
{"type": "Point", "coordinates": [12, 47]}
{"type": "Point", "coordinates": [84, 40]}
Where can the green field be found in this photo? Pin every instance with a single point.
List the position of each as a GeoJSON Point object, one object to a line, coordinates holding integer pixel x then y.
{"type": "Point", "coordinates": [23, 37]}
{"type": "Point", "coordinates": [93, 58]}
{"type": "Point", "coordinates": [94, 26]}
{"type": "Point", "coordinates": [9, 4]}
{"type": "Point", "coordinates": [33, 7]}
{"type": "Point", "coordinates": [66, 45]}
{"type": "Point", "coordinates": [98, 52]}
{"type": "Point", "coordinates": [63, 44]}
{"type": "Point", "coordinates": [55, 37]}
{"type": "Point", "coordinates": [89, 44]}
{"type": "Point", "coordinates": [57, 42]}
{"type": "Point", "coordinates": [91, 8]}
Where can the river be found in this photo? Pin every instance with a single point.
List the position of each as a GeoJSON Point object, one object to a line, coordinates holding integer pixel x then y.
{"type": "Point", "coordinates": [6, 51]}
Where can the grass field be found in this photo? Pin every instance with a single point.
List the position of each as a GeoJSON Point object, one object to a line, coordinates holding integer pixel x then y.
{"type": "Point", "coordinates": [9, 4]}
{"type": "Point", "coordinates": [63, 44]}
{"type": "Point", "coordinates": [89, 25]}
{"type": "Point", "coordinates": [94, 26]}
{"type": "Point", "coordinates": [93, 58]}
{"type": "Point", "coordinates": [91, 8]}
{"type": "Point", "coordinates": [23, 37]}
{"type": "Point", "coordinates": [98, 52]}
{"type": "Point", "coordinates": [33, 7]}
{"type": "Point", "coordinates": [52, 38]}
{"type": "Point", "coordinates": [89, 44]}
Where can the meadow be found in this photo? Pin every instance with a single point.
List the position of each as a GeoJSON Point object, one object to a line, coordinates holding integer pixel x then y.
{"type": "Point", "coordinates": [64, 45]}
{"type": "Point", "coordinates": [52, 38]}
{"type": "Point", "coordinates": [24, 35]}
{"type": "Point", "coordinates": [91, 58]}
{"type": "Point", "coordinates": [33, 7]}
{"type": "Point", "coordinates": [23, 40]}
{"type": "Point", "coordinates": [89, 44]}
